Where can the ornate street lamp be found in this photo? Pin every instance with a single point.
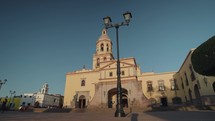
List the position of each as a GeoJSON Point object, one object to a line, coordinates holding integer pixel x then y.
{"type": "Point", "coordinates": [108, 24]}
{"type": "Point", "coordinates": [2, 82]}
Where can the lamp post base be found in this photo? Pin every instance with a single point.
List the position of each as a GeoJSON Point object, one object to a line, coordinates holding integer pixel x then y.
{"type": "Point", "coordinates": [119, 113]}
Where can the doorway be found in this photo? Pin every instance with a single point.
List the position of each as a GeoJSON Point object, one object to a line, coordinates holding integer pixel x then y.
{"type": "Point", "coordinates": [124, 101]}
{"type": "Point", "coordinates": [82, 101]}
{"type": "Point", "coordinates": [164, 101]}
{"type": "Point", "coordinates": [197, 94]}
{"type": "Point", "coordinates": [112, 98]}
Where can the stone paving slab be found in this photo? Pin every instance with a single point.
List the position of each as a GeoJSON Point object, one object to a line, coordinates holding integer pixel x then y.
{"type": "Point", "coordinates": [109, 116]}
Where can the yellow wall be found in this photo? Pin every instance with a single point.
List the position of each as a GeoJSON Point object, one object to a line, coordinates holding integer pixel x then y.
{"type": "Point", "coordinates": [154, 78]}
{"type": "Point", "coordinates": [205, 87]}
{"type": "Point", "coordinates": [73, 84]}
{"type": "Point", "coordinates": [132, 72]}
{"type": "Point", "coordinates": [15, 101]}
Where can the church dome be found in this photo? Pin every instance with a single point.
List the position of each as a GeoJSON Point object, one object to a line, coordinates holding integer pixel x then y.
{"type": "Point", "coordinates": [104, 35]}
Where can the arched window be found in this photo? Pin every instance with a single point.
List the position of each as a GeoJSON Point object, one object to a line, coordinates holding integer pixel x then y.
{"type": "Point", "coordinates": [102, 47]}
{"type": "Point", "coordinates": [98, 61]}
{"type": "Point", "coordinates": [107, 48]}
{"type": "Point", "coordinates": [104, 32]}
{"type": "Point", "coordinates": [196, 91]}
{"type": "Point", "coordinates": [105, 58]}
{"type": "Point", "coordinates": [83, 83]}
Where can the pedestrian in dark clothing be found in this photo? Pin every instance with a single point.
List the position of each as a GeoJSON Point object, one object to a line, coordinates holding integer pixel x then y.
{"type": "Point", "coordinates": [4, 105]}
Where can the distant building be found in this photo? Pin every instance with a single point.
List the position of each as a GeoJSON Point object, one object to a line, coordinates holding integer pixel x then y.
{"type": "Point", "coordinates": [96, 87]}
{"type": "Point", "coordinates": [41, 98]}
{"type": "Point", "coordinates": [28, 99]}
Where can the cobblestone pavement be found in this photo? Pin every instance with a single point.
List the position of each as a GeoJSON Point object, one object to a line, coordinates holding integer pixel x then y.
{"type": "Point", "coordinates": [109, 116]}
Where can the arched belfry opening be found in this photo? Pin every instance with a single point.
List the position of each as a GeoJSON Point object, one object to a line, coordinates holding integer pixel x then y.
{"type": "Point", "coordinates": [107, 48]}
{"type": "Point", "coordinates": [112, 98]}
{"type": "Point", "coordinates": [102, 47]}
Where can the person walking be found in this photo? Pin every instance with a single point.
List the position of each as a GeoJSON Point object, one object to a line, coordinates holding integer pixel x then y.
{"type": "Point", "coordinates": [4, 105]}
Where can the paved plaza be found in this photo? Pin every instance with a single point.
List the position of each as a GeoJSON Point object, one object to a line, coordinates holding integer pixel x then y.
{"type": "Point", "coordinates": [109, 116]}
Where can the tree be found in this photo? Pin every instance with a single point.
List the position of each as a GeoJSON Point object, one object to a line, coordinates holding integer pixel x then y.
{"type": "Point", "coordinates": [203, 58]}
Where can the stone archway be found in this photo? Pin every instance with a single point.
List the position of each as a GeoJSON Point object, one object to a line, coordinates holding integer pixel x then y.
{"type": "Point", "coordinates": [82, 101]}
{"type": "Point", "coordinates": [112, 96]}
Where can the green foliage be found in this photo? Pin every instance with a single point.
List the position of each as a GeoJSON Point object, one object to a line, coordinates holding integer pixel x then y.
{"type": "Point", "coordinates": [203, 58]}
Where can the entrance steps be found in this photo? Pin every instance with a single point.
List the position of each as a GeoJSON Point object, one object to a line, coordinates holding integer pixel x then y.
{"type": "Point", "coordinates": [39, 110]}
{"type": "Point", "coordinates": [52, 110]}
{"type": "Point", "coordinates": [126, 110]}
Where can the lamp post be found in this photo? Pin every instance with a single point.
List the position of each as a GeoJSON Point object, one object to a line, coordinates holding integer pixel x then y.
{"type": "Point", "coordinates": [11, 93]}
{"type": "Point", "coordinates": [2, 82]}
{"type": "Point", "coordinates": [107, 21]}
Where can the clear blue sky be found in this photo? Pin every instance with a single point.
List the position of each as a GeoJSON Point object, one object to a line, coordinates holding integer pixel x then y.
{"type": "Point", "coordinates": [42, 40]}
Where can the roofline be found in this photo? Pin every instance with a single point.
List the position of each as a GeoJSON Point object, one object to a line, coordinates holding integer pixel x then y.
{"type": "Point", "coordinates": [80, 72]}
{"type": "Point", "coordinates": [190, 52]}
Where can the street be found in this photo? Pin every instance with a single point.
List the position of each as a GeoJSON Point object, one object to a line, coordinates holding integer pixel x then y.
{"type": "Point", "coordinates": [109, 116]}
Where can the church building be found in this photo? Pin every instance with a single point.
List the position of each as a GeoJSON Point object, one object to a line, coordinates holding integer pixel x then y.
{"type": "Point", "coordinates": [96, 87]}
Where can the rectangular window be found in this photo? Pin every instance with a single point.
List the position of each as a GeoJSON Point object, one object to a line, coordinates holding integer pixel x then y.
{"type": "Point", "coordinates": [182, 83]}
{"type": "Point", "coordinates": [83, 83]}
{"type": "Point", "coordinates": [173, 84]}
{"type": "Point", "coordinates": [110, 74]}
{"type": "Point", "coordinates": [161, 86]}
{"type": "Point", "coordinates": [186, 80]}
{"type": "Point", "coordinates": [149, 86]}
{"type": "Point", "coordinates": [123, 72]}
{"type": "Point", "coordinates": [192, 75]}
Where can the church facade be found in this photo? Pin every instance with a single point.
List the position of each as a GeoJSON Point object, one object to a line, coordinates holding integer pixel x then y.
{"type": "Point", "coordinates": [96, 87]}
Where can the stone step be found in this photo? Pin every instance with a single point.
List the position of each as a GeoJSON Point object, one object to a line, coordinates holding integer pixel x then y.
{"type": "Point", "coordinates": [57, 110]}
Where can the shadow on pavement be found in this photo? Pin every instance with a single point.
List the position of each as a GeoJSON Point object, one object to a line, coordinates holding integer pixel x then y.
{"type": "Point", "coordinates": [183, 115]}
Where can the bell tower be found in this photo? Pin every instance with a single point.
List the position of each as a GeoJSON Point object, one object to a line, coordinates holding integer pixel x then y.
{"type": "Point", "coordinates": [44, 89]}
{"type": "Point", "coordinates": [103, 50]}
